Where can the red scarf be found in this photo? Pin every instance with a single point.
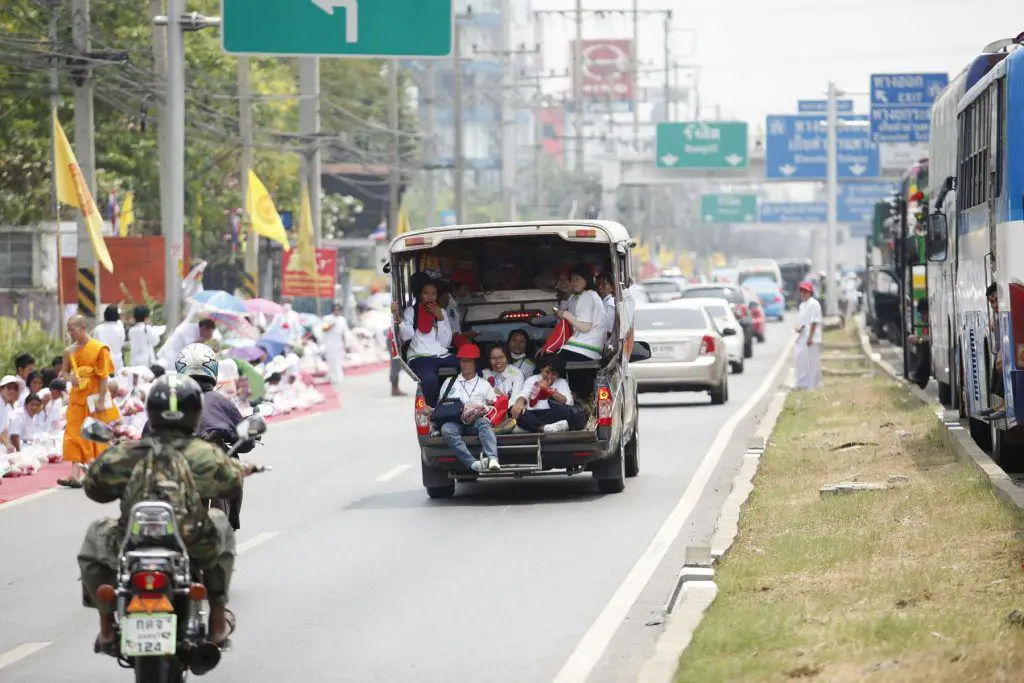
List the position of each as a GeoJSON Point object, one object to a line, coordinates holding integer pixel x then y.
{"type": "Point", "coordinates": [540, 393]}
{"type": "Point", "coordinates": [424, 320]}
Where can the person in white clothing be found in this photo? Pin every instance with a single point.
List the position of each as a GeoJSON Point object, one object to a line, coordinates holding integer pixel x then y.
{"type": "Point", "coordinates": [506, 379]}
{"type": "Point", "coordinates": [184, 334]}
{"type": "Point", "coordinates": [605, 285]}
{"type": "Point", "coordinates": [476, 393]}
{"type": "Point", "coordinates": [289, 321]}
{"type": "Point", "coordinates": [112, 333]}
{"type": "Point", "coordinates": [426, 327]}
{"type": "Point", "coordinates": [142, 338]}
{"type": "Point", "coordinates": [9, 389]}
{"type": "Point", "coordinates": [24, 365]}
{"type": "Point", "coordinates": [334, 343]}
{"type": "Point", "coordinates": [518, 352]}
{"type": "Point", "coordinates": [23, 426]}
{"type": "Point", "coordinates": [564, 291]}
{"type": "Point", "coordinates": [808, 346]}
{"type": "Point", "coordinates": [545, 401]}
{"type": "Point", "coordinates": [588, 319]}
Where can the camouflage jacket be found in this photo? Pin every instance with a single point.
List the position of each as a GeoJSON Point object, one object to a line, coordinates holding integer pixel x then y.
{"type": "Point", "coordinates": [213, 475]}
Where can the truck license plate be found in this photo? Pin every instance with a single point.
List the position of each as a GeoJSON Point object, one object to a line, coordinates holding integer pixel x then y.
{"type": "Point", "coordinates": [149, 635]}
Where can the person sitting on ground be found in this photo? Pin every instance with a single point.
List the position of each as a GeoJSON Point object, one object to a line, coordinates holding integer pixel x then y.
{"type": "Point", "coordinates": [519, 352]}
{"type": "Point", "coordinates": [506, 379]}
{"type": "Point", "coordinates": [24, 365]}
{"type": "Point", "coordinates": [34, 382]}
{"type": "Point", "coordinates": [476, 394]}
{"type": "Point", "coordinates": [23, 426]}
{"type": "Point", "coordinates": [426, 327]}
{"type": "Point", "coordinates": [544, 403]}
{"type": "Point", "coordinates": [195, 470]}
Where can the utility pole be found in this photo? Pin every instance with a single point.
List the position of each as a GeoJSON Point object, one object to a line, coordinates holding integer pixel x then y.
{"type": "Point", "coordinates": [251, 277]}
{"type": "Point", "coordinates": [430, 144]}
{"type": "Point", "coordinates": [508, 122]}
{"type": "Point", "coordinates": [54, 205]}
{"type": "Point", "coordinates": [831, 299]}
{"type": "Point", "coordinates": [636, 73]}
{"type": "Point", "coordinates": [156, 9]}
{"type": "Point", "coordinates": [668, 66]}
{"type": "Point", "coordinates": [577, 96]}
{"type": "Point", "coordinates": [174, 229]}
{"type": "Point", "coordinates": [85, 151]}
{"type": "Point", "coordinates": [394, 178]}
{"type": "Point", "coordinates": [309, 122]}
{"type": "Point", "coordinates": [457, 153]}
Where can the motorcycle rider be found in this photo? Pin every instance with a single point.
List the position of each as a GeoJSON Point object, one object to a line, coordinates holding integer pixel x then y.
{"type": "Point", "coordinates": [174, 407]}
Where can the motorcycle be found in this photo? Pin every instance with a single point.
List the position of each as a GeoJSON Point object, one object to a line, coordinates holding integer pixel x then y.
{"type": "Point", "coordinates": [232, 508]}
{"type": "Point", "coordinates": [161, 609]}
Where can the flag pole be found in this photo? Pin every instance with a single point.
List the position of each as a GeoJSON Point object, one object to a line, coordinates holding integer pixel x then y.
{"type": "Point", "coordinates": [56, 213]}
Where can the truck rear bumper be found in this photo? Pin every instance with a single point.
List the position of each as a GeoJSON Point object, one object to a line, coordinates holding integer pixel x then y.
{"type": "Point", "coordinates": [525, 454]}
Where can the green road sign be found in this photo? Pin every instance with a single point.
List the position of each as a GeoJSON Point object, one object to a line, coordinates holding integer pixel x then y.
{"type": "Point", "coordinates": [702, 144]}
{"type": "Point", "coordinates": [338, 28]}
{"type": "Point", "coordinates": [728, 208]}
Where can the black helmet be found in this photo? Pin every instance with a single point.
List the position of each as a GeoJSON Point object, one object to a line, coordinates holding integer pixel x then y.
{"type": "Point", "coordinates": [175, 402]}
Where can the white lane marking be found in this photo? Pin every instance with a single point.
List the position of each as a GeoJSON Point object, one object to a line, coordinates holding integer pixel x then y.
{"type": "Point", "coordinates": [27, 499]}
{"type": "Point", "coordinates": [595, 641]}
{"type": "Point", "coordinates": [393, 472]}
{"type": "Point", "coordinates": [255, 541]}
{"type": "Point", "coordinates": [19, 653]}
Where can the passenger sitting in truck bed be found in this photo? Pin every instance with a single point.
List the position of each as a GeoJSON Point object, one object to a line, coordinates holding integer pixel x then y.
{"type": "Point", "coordinates": [606, 290]}
{"type": "Point", "coordinates": [426, 327]}
{"type": "Point", "coordinates": [587, 320]}
{"type": "Point", "coordinates": [544, 404]}
{"type": "Point", "coordinates": [519, 352]}
{"type": "Point", "coordinates": [564, 295]}
{"type": "Point", "coordinates": [506, 379]}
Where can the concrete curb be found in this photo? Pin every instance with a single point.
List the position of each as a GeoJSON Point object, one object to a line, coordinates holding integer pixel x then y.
{"type": "Point", "coordinates": [695, 589]}
{"type": "Point", "coordinates": [956, 434]}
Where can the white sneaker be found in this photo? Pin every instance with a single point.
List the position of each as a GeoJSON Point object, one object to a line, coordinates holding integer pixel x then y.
{"type": "Point", "coordinates": [560, 426]}
{"type": "Point", "coordinates": [477, 466]}
{"type": "Point", "coordinates": [492, 464]}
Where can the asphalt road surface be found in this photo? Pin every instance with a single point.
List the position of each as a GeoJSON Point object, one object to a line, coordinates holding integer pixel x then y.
{"type": "Point", "coordinates": [348, 572]}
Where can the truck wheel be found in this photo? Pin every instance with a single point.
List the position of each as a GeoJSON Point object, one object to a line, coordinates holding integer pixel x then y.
{"type": "Point", "coordinates": [631, 452]}
{"type": "Point", "coordinates": [611, 476]}
{"type": "Point", "coordinates": [720, 394]}
{"type": "Point", "coordinates": [737, 368]}
{"type": "Point", "coordinates": [748, 348]}
{"type": "Point", "coordinates": [436, 482]}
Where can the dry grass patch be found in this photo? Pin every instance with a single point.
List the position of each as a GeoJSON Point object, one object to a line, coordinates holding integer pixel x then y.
{"type": "Point", "coordinates": [910, 584]}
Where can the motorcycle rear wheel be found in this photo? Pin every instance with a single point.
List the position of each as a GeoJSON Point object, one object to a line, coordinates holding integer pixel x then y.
{"type": "Point", "coordinates": [158, 670]}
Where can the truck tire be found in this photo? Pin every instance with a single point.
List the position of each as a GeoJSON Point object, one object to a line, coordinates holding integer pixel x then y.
{"type": "Point", "coordinates": [436, 482]}
{"type": "Point", "coordinates": [631, 452]}
{"type": "Point", "coordinates": [737, 368]}
{"type": "Point", "coordinates": [611, 474]}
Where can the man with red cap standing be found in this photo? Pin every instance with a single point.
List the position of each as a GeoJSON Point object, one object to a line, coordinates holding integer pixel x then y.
{"type": "Point", "coordinates": [476, 395]}
{"type": "Point", "coordinates": [808, 346]}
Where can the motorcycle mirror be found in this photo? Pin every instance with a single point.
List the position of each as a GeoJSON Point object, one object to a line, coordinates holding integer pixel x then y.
{"type": "Point", "coordinates": [94, 430]}
{"type": "Point", "coordinates": [251, 427]}
{"type": "Point", "coordinates": [266, 409]}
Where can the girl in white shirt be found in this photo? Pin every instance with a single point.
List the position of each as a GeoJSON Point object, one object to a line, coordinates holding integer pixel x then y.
{"type": "Point", "coordinates": [588, 319]}
{"type": "Point", "coordinates": [427, 329]}
{"type": "Point", "coordinates": [472, 390]}
{"type": "Point", "coordinates": [544, 404]}
{"type": "Point", "coordinates": [518, 352]}
{"type": "Point", "coordinates": [506, 379]}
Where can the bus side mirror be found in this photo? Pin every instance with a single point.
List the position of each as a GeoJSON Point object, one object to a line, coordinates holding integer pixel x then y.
{"type": "Point", "coordinates": [937, 237]}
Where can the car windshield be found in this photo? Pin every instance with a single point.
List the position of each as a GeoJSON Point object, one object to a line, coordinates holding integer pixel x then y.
{"type": "Point", "coordinates": [730, 294]}
{"type": "Point", "coordinates": [761, 285]}
{"type": "Point", "coordinates": [670, 319]}
{"type": "Point", "coordinates": [660, 287]}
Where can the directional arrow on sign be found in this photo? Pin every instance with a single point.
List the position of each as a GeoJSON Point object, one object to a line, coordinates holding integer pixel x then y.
{"type": "Point", "coordinates": [670, 159]}
{"type": "Point", "coordinates": [787, 170]}
{"type": "Point", "coordinates": [688, 132]}
{"type": "Point", "coordinates": [733, 159]}
{"type": "Point", "coordinates": [351, 8]}
{"type": "Point", "coordinates": [858, 169]}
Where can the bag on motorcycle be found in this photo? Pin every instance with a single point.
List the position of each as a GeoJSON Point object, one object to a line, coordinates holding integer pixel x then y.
{"type": "Point", "coordinates": [163, 474]}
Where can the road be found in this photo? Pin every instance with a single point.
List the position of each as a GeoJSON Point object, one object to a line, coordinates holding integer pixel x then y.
{"type": "Point", "coordinates": [348, 572]}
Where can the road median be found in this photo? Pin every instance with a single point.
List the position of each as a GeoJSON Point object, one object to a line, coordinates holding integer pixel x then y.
{"type": "Point", "coordinates": [867, 551]}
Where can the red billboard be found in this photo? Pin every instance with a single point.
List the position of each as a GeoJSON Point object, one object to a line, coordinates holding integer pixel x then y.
{"type": "Point", "coordinates": [607, 69]}
{"type": "Point", "coordinates": [552, 123]}
{"type": "Point", "coordinates": [298, 283]}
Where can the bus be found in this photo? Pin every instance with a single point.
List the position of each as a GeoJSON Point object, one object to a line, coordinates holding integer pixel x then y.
{"type": "Point", "coordinates": [988, 246]}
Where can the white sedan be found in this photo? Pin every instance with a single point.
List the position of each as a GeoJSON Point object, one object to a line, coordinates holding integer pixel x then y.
{"type": "Point", "coordinates": [721, 312]}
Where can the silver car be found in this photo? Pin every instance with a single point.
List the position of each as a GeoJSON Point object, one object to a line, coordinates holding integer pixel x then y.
{"type": "Point", "coordinates": [688, 352]}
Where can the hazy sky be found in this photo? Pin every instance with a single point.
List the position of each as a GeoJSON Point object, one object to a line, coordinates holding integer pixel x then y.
{"type": "Point", "coordinates": [758, 57]}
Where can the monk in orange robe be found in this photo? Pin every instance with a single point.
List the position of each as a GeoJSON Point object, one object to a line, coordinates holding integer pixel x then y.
{"type": "Point", "coordinates": [88, 367]}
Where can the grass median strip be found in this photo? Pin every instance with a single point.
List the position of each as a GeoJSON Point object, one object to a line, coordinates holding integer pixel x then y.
{"type": "Point", "coordinates": [912, 582]}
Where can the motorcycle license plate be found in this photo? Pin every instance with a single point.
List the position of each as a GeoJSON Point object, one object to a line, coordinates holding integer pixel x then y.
{"type": "Point", "coordinates": [149, 635]}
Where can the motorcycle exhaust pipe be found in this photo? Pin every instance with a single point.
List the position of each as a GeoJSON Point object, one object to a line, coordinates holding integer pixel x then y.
{"type": "Point", "coordinates": [204, 658]}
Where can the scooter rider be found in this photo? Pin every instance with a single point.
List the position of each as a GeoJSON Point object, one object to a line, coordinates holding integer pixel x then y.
{"type": "Point", "coordinates": [174, 406]}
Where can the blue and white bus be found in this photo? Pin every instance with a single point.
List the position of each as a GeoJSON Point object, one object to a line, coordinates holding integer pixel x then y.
{"type": "Point", "coordinates": [985, 242]}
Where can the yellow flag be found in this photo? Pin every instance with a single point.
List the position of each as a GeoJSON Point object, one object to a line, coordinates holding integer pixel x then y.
{"type": "Point", "coordinates": [307, 256]}
{"type": "Point", "coordinates": [127, 213]}
{"type": "Point", "coordinates": [263, 214]}
{"type": "Point", "coordinates": [72, 190]}
{"type": "Point", "coordinates": [403, 222]}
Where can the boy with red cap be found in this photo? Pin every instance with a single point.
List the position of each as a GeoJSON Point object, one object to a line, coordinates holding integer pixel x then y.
{"type": "Point", "coordinates": [808, 346]}
{"type": "Point", "coordinates": [476, 395]}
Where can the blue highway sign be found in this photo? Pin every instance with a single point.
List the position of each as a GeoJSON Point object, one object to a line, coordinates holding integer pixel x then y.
{"type": "Point", "coordinates": [821, 106]}
{"type": "Point", "coordinates": [794, 212]}
{"type": "Point", "coordinates": [861, 230]}
{"type": "Point", "coordinates": [796, 148]}
{"type": "Point", "coordinates": [901, 105]}
{"type": "Point", "coordinates": [857, 201]}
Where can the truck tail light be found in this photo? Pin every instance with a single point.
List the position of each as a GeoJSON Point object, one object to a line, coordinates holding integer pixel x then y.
{"type": "Point", "coordinates": [741, 311]}
{"type": "Point", "coordinates": [421, 414]}
{"type": "Point", "coordinates": [604, 406]}
{"type": "Point", "coordinates": [707, 345]}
